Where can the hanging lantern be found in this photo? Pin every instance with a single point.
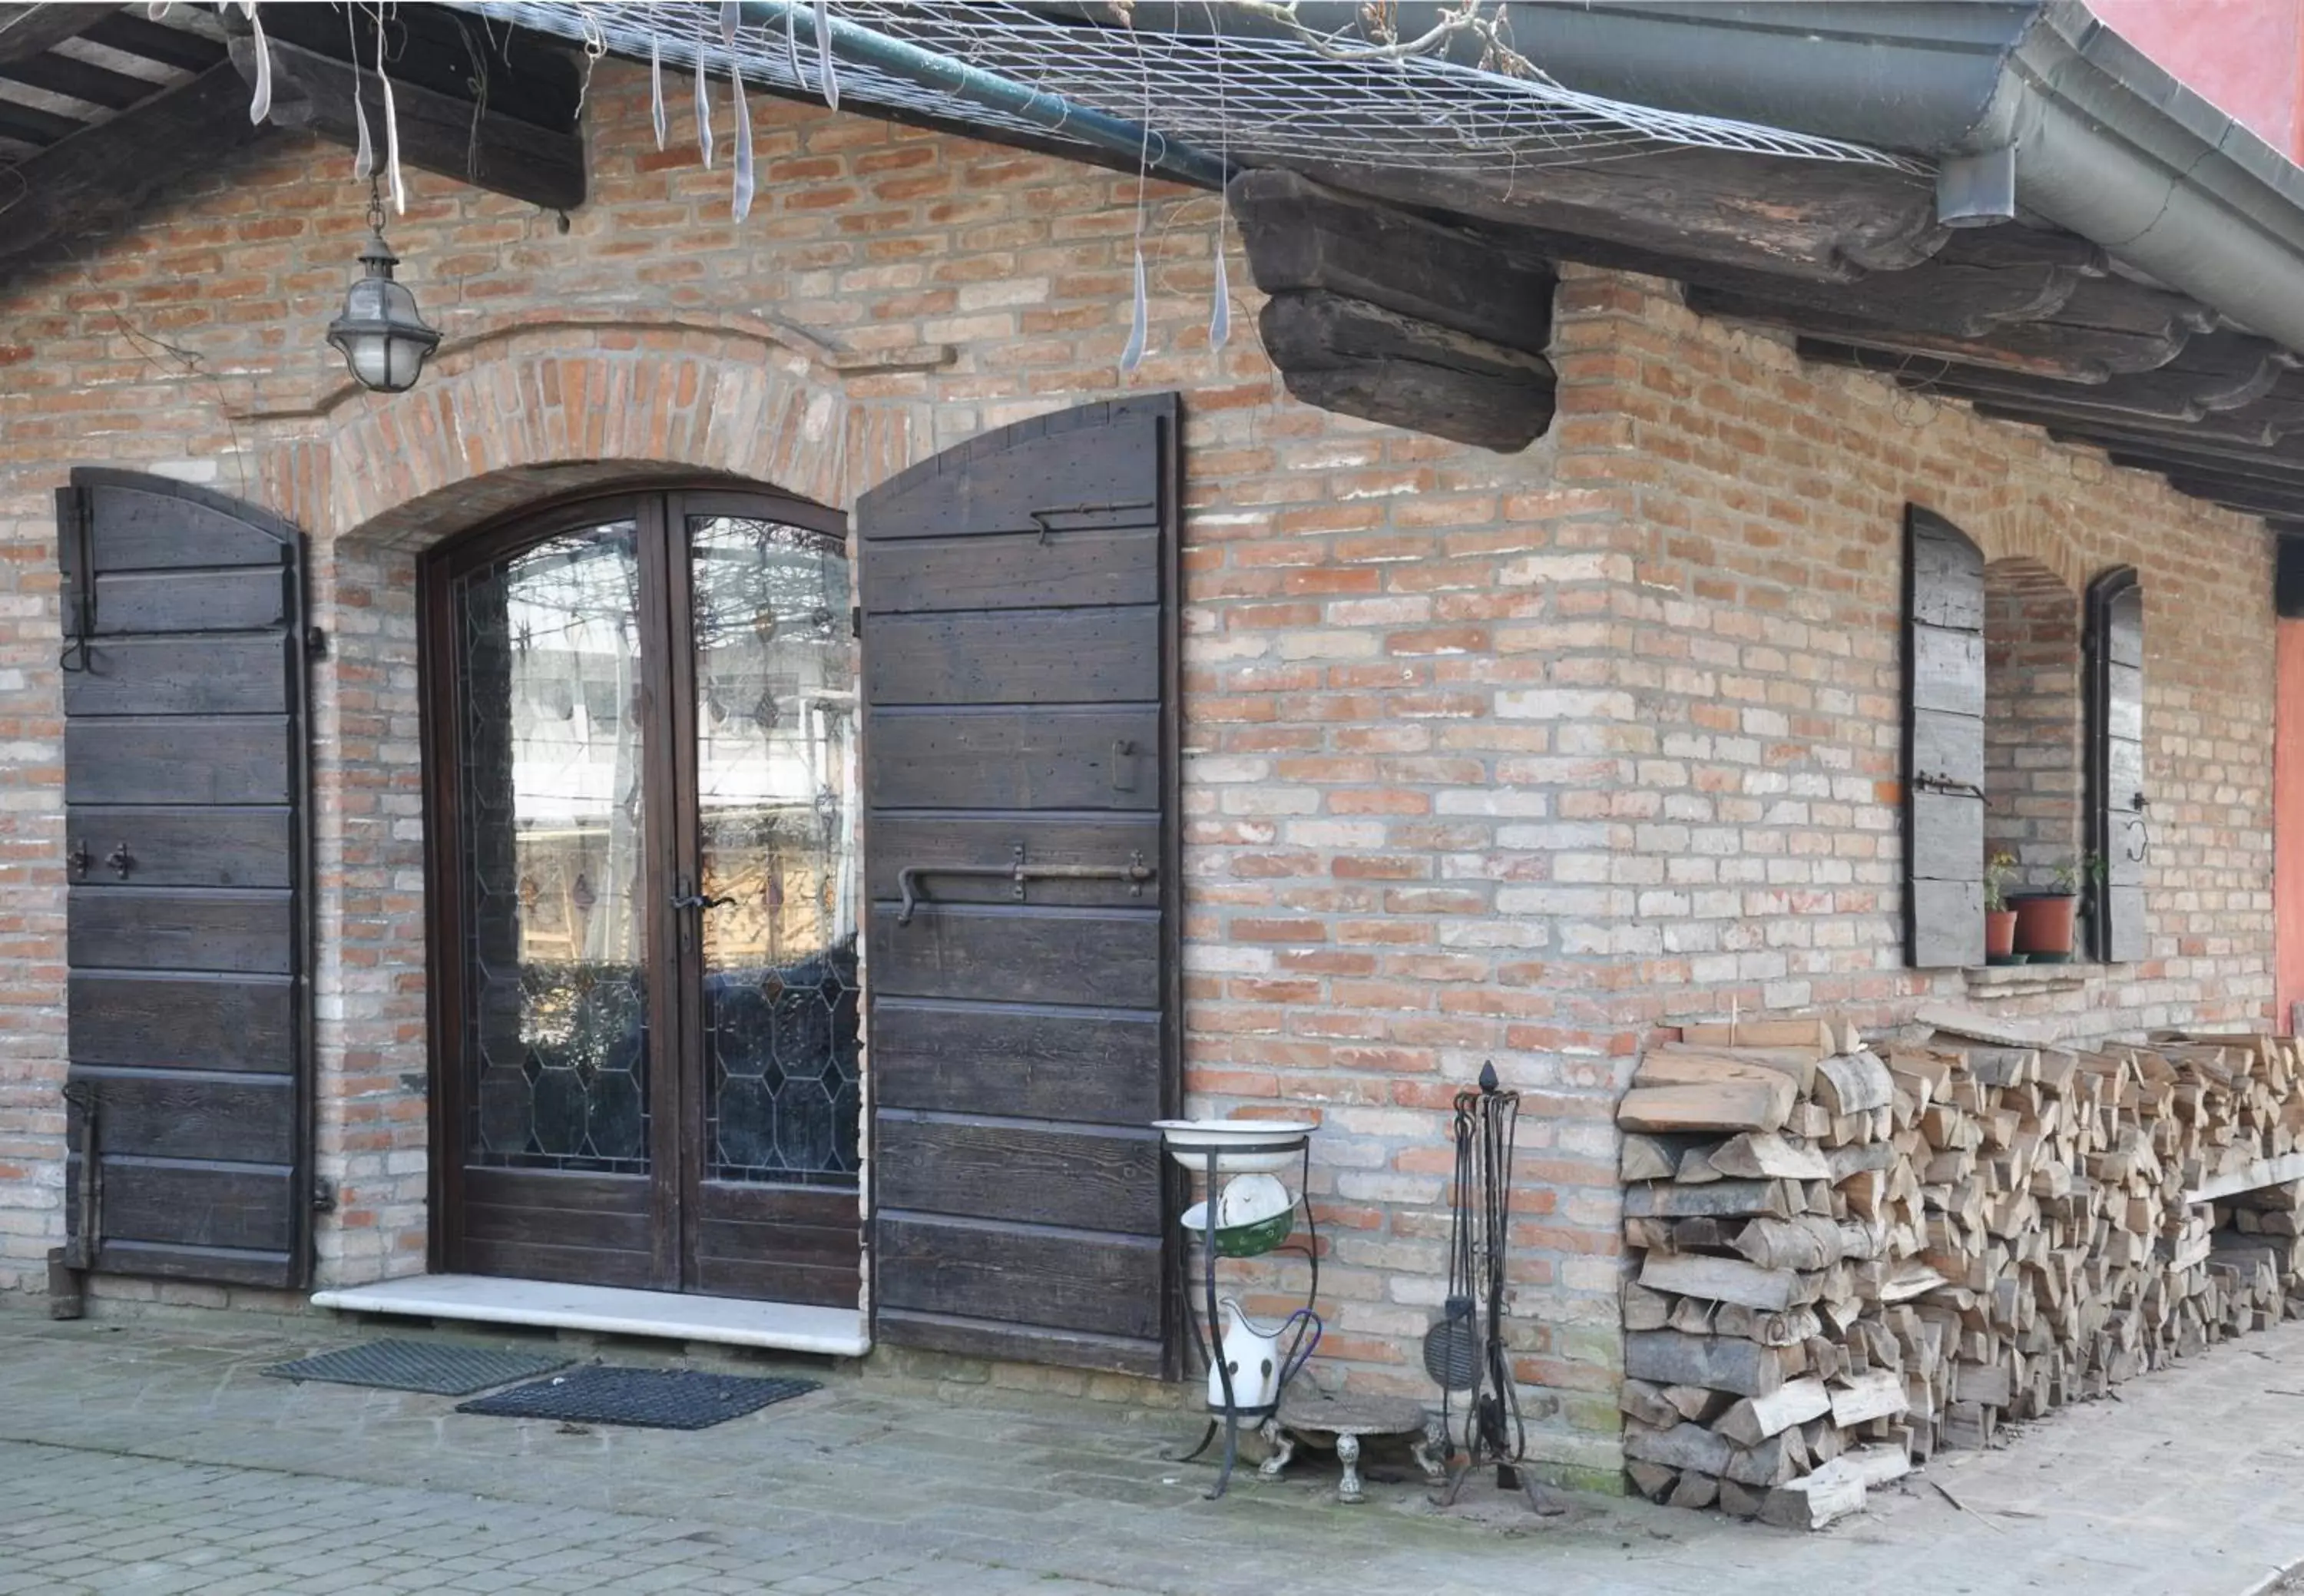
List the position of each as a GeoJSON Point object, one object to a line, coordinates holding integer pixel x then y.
{"type": "Point", "coordinates": [379, 333]}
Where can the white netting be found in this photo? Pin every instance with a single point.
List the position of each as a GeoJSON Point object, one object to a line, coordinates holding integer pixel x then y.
{"type": "Point", "coordinates": [1262, 98]}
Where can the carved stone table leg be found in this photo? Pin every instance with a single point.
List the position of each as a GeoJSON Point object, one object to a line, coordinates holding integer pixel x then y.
{"type": "Point", "coordinates": [1431, 1453]}
{"type": "Point", "coordinates": [1348, 1453]}
{"type": "Point", "coordinates": [1283, 1449]}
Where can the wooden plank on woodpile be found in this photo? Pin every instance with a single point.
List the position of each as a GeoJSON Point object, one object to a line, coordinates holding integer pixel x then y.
{"type": "Point", "coordinates": [1985, 1027]}
{"type": "Point", "coordinates": [1725, 1106]}
{"type": "Point", "coordinates": [1724, 1197]}
{"type": "Point", "coordinates": [1683, 1447]}
{"type": "Point", "coordinates": [1719, 1362]}
{"type": "Point", "coordinates": [1878, 1394]}
{"type": "Point", "coordinates": [1754, 1419]}
{"type": "Point", "coordinates": [1854, 1084]}
{"type": "Point", "coordinates": [1723, 1280]}
{"type": "Point", "coordinates": [1763, 1155]}
{"type": "Point", "coordinates": [1813, 1500]}
{"type": "Point", "coordinates": [1763, 1033]}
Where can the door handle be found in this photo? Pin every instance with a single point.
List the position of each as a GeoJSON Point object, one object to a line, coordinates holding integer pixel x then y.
{"type": "Point", "coordinates": [696, 900]}
{"type": "Point", "coordinates": [1135, 872]}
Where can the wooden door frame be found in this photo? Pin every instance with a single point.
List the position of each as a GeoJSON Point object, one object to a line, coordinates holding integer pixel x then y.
{"type": "Point", "coordinates": [670, 832]}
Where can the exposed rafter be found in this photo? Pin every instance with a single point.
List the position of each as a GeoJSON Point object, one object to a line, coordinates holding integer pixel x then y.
{"type": "Point", "coordinates": [82, 187]}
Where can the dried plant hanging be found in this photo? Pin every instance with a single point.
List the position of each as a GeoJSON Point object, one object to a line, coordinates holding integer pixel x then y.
{"type": "Point", "coordinates": [740, 203]}
{"type": "Point", "coordinates": [364, 149]}
{"type": "Point", "coordinates": [657, 118]}
{"type": "Point", "coordinates": [824, 63]}
{"type": "Point", "coordinates": [703, 114]}
{"type": "Point", "coordinates": [260, 106]}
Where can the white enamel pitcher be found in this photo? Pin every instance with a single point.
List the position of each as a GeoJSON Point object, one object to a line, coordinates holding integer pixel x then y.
{"type": "Point", "coordinates": [1250, 1354]}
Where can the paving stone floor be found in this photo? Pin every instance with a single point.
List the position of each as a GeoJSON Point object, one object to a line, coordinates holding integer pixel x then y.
{"type": "Point", "coordinates": [150, 1456]}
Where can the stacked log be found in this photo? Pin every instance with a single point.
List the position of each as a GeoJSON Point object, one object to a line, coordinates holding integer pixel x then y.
{"type": "Point", "coordinates": [1846, 1257]}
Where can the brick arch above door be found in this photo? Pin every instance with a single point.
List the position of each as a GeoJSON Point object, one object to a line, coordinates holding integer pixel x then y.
{"type": "Point", "coordinates": [558, 410]}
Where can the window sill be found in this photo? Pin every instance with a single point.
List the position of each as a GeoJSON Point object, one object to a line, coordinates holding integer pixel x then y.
{"type": "Point", "coordinates": [2027, 980]}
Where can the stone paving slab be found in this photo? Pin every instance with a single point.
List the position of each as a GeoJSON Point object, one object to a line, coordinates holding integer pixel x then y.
{"type": "Point", "coordinates": [152, 1457]}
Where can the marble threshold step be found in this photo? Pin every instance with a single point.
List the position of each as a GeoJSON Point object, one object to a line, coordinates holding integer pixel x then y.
{"type": "Point", "coordinates": [786, 1327]}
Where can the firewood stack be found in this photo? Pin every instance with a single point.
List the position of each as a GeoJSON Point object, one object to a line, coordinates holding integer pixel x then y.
{"type": "Point", "coordinates": [1847, 1257]}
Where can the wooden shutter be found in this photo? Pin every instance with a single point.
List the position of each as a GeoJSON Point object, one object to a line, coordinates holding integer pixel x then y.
{"type": "Point", "coordinates": [1020, 677]}
{"type": "Point", "coordinates": [184, 783]}
{"type": "Point", "coordinates": [2118, 832]}
{"type": "Point", "coordinates": [1943, 743]}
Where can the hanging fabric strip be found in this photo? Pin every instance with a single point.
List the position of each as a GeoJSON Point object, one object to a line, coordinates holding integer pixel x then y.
{"type": "Point", "coordinates": [260, 106]}
{"type": "Point", "coordinates": [703, 114]}
{"type": "Point", "coordinates": [656, 92]}
{"type": "Point", "coordinates": [390, 132]}
{"type": "Point", "coordinates": [729, 13]}
{"type": "Point", "coordinates": [824, 53]}
{"type": "Point", "coordinates": [741, 205]}
{"type": "Point", "coordinates": [791, 45]}
{"type": "Point", "coordinates": [364, 150]}
{"type": "Point", "coordinates": [1133, 355]}
{"type": "Point", "coordinates": [1220, 313]}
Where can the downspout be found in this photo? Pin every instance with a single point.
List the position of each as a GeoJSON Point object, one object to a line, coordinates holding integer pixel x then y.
{"type": "Point", "coordinates": [2102, 141]}
{"type": "Point", "coordinates": [944, 74]}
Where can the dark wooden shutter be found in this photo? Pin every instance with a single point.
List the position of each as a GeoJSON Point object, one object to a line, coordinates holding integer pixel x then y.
{"type": "Point", "coordinates": [1020, 677]}
{"type": "Point", "coordinates": [2119, 830]}
{"type": "Point", "coordinates": [185, 783]}
{"type": "Point", "coordinates": [1943, 743]}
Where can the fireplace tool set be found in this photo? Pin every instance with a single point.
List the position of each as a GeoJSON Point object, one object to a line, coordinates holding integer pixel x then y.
{"type": "Point", "coordinates": [1464, 1353]}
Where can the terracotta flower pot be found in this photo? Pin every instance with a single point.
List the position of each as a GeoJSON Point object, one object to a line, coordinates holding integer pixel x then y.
{"type": "Point", "coordinates": [2044, 923]}
{"type": "Point", "coordinates": [1999, 933]}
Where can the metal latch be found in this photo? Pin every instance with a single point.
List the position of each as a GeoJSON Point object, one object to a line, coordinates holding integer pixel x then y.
{"type": "Point", "coordinates": [1018, 871]}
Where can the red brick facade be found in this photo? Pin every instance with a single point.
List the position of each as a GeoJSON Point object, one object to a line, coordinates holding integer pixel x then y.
{"type": "Point", "coordinates": [1507, 758]}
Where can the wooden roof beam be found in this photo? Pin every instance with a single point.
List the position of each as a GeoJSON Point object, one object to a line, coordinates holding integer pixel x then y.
{"type": "Point", "coordinates": [446, 134]}
{"type": "Point", "coordinates": [83, 186]}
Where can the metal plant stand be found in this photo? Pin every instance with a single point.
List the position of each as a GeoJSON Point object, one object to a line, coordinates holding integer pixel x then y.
{"type": "Point", "coordinates": [1211, 1160]}
{"type": "Point", "coordinates": [1305, 1411]}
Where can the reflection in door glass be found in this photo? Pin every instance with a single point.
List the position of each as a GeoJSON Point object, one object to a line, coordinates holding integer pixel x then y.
{"type": "Point", "coordinates": [548, 807]}
{"type": "Point", "coordinates": [776, 777]}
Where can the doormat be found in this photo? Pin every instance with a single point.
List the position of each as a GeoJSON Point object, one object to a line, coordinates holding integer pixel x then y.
{"type": "Point", "coordinates": [441, 1369]}
{"type": "Point", "coordinates": [646, 1398]}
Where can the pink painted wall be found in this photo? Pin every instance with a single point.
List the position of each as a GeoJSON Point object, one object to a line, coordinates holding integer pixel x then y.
{"type": "Point", "coordinates": [2246, 56]}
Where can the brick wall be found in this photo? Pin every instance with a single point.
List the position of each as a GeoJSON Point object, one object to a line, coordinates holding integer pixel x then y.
{"type": "Point", "coordinates": [1487, 758]}
{"type": "Point", "coordinates": [2033, 784]}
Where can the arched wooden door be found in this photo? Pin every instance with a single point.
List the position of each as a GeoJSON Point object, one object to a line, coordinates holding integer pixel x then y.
{"type": "Point", "coordinates": [642, 735]}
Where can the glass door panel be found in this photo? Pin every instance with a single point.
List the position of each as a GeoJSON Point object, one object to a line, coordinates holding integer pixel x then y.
{"type": "Point", "coordinates": [777, 850]}
{"type": "Point", "coordinates": [549, 802]}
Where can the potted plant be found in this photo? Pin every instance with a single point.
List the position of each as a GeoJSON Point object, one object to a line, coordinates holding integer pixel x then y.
{"type": "Point", "coordinates": [2043, 920]}
{"type": "Point", "coordinates": [1999, 918]}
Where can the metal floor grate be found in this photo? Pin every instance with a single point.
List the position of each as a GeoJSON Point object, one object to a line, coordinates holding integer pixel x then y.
{"type": "Point", "coordinates": [648, 1398]}
{"type": "Point", "coordinates": [441, 1369]}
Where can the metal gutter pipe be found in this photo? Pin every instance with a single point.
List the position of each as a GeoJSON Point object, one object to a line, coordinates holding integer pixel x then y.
{"type": "Point", "coordinates": [2104, 143]}
{"type": "Point", "coordinates": [944, 74]}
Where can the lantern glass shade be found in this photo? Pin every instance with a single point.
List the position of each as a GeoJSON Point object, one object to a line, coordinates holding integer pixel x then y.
{"type": "Point", "coordinates": [383, 338]}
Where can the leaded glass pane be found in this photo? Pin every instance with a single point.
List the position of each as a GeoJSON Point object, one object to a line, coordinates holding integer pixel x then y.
{"type": "Point", "coordinates": [776, 687]}
{"type": "Point", "coordinates": [550, 814]}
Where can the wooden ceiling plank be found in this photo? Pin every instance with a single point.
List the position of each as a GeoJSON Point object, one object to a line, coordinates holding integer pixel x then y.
{"type": "Point", "coordinates": [27, 124]}
{"type": "Point", "coordinates": [32, 29]}
{"type": "Point", "coordinates": [155, 41]}
{"type": "Point", "coordinates": [78, 80]}
{"type": "Point", "coordinates": [80, 188]}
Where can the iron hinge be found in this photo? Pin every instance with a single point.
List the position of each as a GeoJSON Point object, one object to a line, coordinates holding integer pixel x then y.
{"type": "Point", "coordinates": [316, 642]}
{"type": "Point", "coordinates": [856, 620]}
{"type": "Point", "coordinates": [323, 1194]}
